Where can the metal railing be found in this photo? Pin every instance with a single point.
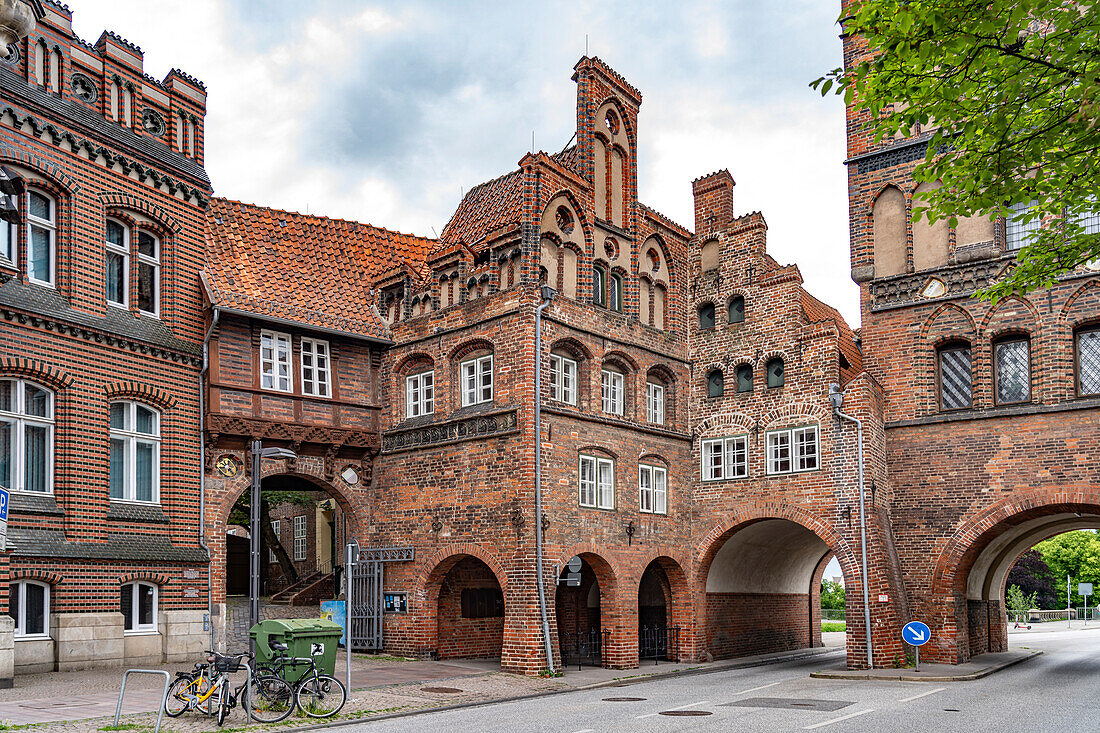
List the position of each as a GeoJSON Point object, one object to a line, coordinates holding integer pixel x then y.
{"type": "Point", "coordinates": [164, 695]}
{"type": "Point", "coordinates": [584, 647]}
{"type": "Point", "coordinates": [659, 642]}
{"type": "Point", "coordinates": [832, 614]}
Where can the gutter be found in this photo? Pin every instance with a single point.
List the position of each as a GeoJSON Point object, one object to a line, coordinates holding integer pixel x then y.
{"type": "Point", "coordinates": [202, 472]}
{"type": "Point", "coordinates": [548, 296]}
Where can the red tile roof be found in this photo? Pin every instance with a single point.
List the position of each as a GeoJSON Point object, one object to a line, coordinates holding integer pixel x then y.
{"type": "Point", "coordinates": [302, 268]}
{"type": "Point", "coordinates": [815, 312]}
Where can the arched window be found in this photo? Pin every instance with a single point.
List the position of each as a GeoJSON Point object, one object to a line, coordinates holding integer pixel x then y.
{"type": "Point", "coordinates": [888, 225]}
{"type": "Point", "coordinates": [55, 71]}
{"type": "Point", "coordinates": [26, 436]}
{"type": "Point", "coordinates": [29, 607]}
{"type": "Point", "coordinates": [744, 378]}
{"type": "Point", "coordinates": [41, 237]}
{"type": "Point", "coordinates": [655, 400]}
{"type": "Point", "coordinates": [1088, 361]}
{"type": "Point", "coordinates": [956, 387]}
{"type": "Point", "coordinates": [709, 255]}
{"type": "Point", "coordinates": [706, 315]}
{"type": "Point", "coordinates": [735, 311]}
{"type": "Point", "coordinates": [148, 273]}
{"type": "Point", "coordinates": [420, 393]}
{"type": "Point", "coordinates": [599, 286]}
{"type": "Point", "coordinates": [118, 263]}
{"type": "Point", "coordinates": [476, 378]}
{"type": "Point", "coordinates": [563, 377]}
{"type": "Point", "coordinates": [776, 375]}
{"type": "Point", "coordinates": [40, 52]}
{"type": "Point", "coordinates": [660, 299]}
{"type": "Point", "coordinates": [135, 452]}
{"type": "Point", "coordinates": [615, 292]}
{"type": "Point", "coordinates": [715, 384]}
{"type": "Point", "coordinates": [1012, 366]}
{"type": "Point", "coordinates": [139, 606]}
{"type": "Point", "coordinates": [612, 384]}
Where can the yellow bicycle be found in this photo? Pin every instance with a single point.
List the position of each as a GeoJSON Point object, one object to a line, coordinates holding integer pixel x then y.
{"type": "Point", "coordinates": [206, 689]}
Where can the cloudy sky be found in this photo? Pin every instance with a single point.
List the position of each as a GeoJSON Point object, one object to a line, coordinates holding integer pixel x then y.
{"type": "Point", "coordinates": [385, 112]}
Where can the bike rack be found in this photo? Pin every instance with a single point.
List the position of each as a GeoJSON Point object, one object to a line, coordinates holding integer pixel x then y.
{"type": "Point", "coordinates": [122, 692]}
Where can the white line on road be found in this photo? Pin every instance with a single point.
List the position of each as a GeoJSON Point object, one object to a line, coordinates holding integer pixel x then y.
{"type": "Point", "coordinates": [682, 707]}
{"type": "Point", "coordinates": [917, 697]}
{"type": "Point", "coordinates": [837, 720]}
{"type": "Point", "coordinates": [761, 687]}
{"type": "Point", "coordinates": [585, 730]}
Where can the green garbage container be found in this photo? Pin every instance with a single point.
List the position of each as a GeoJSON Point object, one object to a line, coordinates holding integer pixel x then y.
{"type": "Point", "coordinates": [304, 637]}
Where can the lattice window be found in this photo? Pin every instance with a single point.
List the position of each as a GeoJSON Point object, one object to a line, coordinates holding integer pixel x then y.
{"type": "Point", "coordinates": [1013, 363]}
{"type": "Point", "coordinates": [1088, 362]}
{"type": "Point", "coordinates": [956, 389]}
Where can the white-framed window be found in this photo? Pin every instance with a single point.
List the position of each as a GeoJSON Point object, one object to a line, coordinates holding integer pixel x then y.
{"type": "Point", "coordinates": [276, 525]}
{"type": "Point", "coordinates": [611, 383]}
{"type": "Point", "coordinates": [420, 394]}
{"type": "Point", "coordinates": [275, 371]}
{"type": "Point", "coordinates": [300, 538]}
{"type": "Point", "coordinates": [563, 379]}
{"type": "Point", "coordinates": [148, 273]}
{"type": "Point", "coordinates": [26, 436]}
{"type": "Point", "coordinates": [652, 489]}
{"type": "Point", "coordinates": [41, 237]}
{"type": "Point", "coordinates": [726, 458]}
{"type": "Point", "coordinates": [135, 453]}
{"type": "Point", "coordinates": [139, 606]}
{"type": "Point", "coordinates": [9, 239]}
{"type": "Point", "coordinates": [316, 368]}
{"type": "Point", "coordinates": [597, 482]}
{"type": "Point", "coordinates": [477, 380]}
{"type": "Point", "coordinates": [117, 242]}
{"type": "Point", "coordinates": [29, 606]}
{"type": "Point", "coordinates": [1018, 234]}
{"type": "Point", "coordinates": [655, 403]}
{"type": "Point", "coordinates": [793, 450]}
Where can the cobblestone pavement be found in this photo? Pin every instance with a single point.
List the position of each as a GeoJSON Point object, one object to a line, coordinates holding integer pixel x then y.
{"type": "Point", "coordinates": [236, 609]}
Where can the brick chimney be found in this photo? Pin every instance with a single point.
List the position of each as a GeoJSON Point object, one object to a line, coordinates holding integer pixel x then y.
{"type": "Point", "coordinates": [713, 201]}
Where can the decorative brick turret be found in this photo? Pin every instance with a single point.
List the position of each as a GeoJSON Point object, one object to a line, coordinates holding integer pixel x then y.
{"type": "Point", "coordinates": [713, 201]}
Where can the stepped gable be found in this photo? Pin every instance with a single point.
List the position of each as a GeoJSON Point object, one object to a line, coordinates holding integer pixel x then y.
{"type": "Point", "coordinates": [310, 269]}
{"type": "Point", "coordinates": [816, 311]}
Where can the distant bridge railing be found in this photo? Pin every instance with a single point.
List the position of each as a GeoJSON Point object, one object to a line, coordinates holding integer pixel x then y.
{"type": "Point", "coordinates": [832, 614]}
{"type": "Point", "coordinates": [1038, 615]}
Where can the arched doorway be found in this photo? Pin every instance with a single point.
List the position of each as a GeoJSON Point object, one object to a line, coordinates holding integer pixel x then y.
{"type": "Point", "coordinates": [662, 611]}
{"type": "Point", "coordinates": [469, 611]}
{"type": "Point", "coordinates": [584, 636]}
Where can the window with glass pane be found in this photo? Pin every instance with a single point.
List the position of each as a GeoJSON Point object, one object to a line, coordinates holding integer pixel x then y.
{"type": "Point", "coordinates": [611, 383]}
{"type": "Point", "coordinates": [276, 525]}
{"type": "Point", "coordinates": [955, 384]}
{"type": "Point", "coordinates": [477, 380]}
{"type": "Point", "coordinates": [1088, 362]}
{"type": "Point", "coordinates": [599, 286]}
{"type": "Point", "coordinates": [779, 452]}
{"type": "Point", "coordinates": [776, 376]}
{"type": "Point", "coordinates": [587, 483]}
{"type": "Point", "coordinates": [148, 273]}
{"type": "Point", "coordinates": [1018, 234]}
{"type": "Point", "coordinates": [744, 378]}
{"type": "Point", "coordinates": [736, 309]}
{"type": "Point", "coordinates": [660, 490]}
{"type": "Point", "coordinates": [9, 236]}
{"type": "Point", "coordinates": [29, 607]}
{"type": "Point", "coordinates": [139, 607]}
{"type": "Point", "coordinates": [275, 372]}
{"type": "Point", "coordinates": [805, 448]}
{"type": "Point", "coordinates": [706, 315]}
{"type": "Point", "coordinates": [26, 436]}
{"type": "Point", "coordinates": [563, 379]}
{"type": "Point", "coordinates": [299, 538]}
{"type": "Point", "coordinates": [420, 394]}
{"type": "Point", "coordinates": [135, 453]}
{"type": "Point", "coordinates": [715, 385]}
{"type": "Point", "coordinates": [1012, 359]}
{"type": "Point", "coordinates": [652, 489]}
{"type": "Point", "coordinates": [118, 263]}
{"type": "Point", "coordinates": [726, 458]}
{"type": "Point", "coordinates": [793, 450]}
{"type": "Point", "coordinates": [1089, 221]}
{"type": "Point", "coordinates": [713, 456]}
{"type": "Point", "coordinates": [605, 484]}
{"type": "Point", "coordinates": [41, 237]}
{"type": "Point", "coordinates": [316, 371]}
{"type": "Point", "coordinates": [615, 293]}
{"type": "Point", "coordinates": [655, 403]}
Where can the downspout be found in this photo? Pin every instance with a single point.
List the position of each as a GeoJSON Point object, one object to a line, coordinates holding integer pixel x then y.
{"type": "Point", "coordinates": [202, 474]}
{"type": "Point", "coordinates": [548, 295]}
{"type": "Point", "coordinates": [837, 398]}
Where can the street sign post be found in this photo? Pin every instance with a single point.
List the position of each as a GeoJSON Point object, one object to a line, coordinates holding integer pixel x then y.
{"type": "Point", "coordinates": [1085, 590]}
{"type": "Point", "coordinates": [916, 635]}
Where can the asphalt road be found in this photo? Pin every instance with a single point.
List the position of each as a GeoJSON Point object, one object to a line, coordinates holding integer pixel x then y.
{"type": "Point", "coordinates": [1054, 692]}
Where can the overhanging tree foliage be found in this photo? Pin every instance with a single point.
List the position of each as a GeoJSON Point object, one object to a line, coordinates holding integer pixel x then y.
{"type": "Point", "coordinates": [241, 515]}
{"type": "Point", "coordinates": [1031, 574]}
{"type": "Point", "coordinates": [1076, 554]}
{"type": "Point", "coordinates": [1014, 87]}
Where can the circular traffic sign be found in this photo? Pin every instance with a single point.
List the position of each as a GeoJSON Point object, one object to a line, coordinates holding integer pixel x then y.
{"type": "Point", "coordinates": [916, 633]}
{"type": "Point", "coordinates": [574, 564]}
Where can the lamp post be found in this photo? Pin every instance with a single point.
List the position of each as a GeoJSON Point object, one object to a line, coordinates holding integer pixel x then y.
{"type": "Point", "coordinates": [17, 20]}
{"type": "Point", "coordinates": [258, 454]}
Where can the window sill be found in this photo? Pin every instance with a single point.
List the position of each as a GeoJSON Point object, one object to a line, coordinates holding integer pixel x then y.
{"type": "Point", "coordinates": [118, 306]}
{"type": "Point", "coordinates": [33, 637]}
{"type": "Point", "coordinates": [142, 632]}
{"type": "Point", "coordinates": [134, 502]}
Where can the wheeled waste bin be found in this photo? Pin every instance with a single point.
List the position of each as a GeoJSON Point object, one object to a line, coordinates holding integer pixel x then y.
{"type": "Point", "coordinates": [304, 637]}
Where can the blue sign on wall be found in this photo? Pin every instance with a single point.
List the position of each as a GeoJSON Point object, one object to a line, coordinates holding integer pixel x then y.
{"type": "Point", "coordinates": [334, 611]}
{"type": "Point", "coordinates": [916, 633]}
{"type": "Point", "coordinates": [3, 505]}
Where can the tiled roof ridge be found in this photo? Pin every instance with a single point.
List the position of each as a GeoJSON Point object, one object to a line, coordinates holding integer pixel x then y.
{"type": "Point", "coordinates": [119, 39]}
{"type": "Point", "coordinates": [275, 306]}
{"type": "Point", "coordinates": [186, 77]}
{"type": "Point", "coordinates": [318, 217]}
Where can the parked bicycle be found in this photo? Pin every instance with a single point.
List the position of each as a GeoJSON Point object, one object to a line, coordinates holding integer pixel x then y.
{"type": "Point", "coordinates": [316, 694]}
{"type": "Point", "coordinates": [206, 689]}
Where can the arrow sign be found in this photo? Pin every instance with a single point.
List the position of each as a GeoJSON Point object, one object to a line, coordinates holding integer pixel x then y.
{"type": "Point", "coordinates": [916, 633]}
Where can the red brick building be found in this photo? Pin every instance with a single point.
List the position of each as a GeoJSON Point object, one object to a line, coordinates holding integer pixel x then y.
{"type": "Point", "coordinates": [100, 353]}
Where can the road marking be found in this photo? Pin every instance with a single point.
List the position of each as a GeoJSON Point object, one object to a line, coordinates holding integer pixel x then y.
{"type": "Point", "coordinates": [917, 697]}
{"type": "Point", "coordinates": [837, 720]}
{"type": "Point", "coordinates": [586, 730]}
{"type": "Point", "coordinates": [761, 687]}
{"type": "Point", "coordinates": [682, 707]}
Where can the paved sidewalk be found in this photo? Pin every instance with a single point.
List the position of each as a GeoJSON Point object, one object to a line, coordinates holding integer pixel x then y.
{"type": "Point", "coordinates": [980, 666]}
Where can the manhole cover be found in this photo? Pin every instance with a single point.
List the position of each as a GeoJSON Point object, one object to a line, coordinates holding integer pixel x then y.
{"type": "Point", "coordinates": [789, 703]}
{"type": "Point", "coordinates": [441, 690]}
{"type": "Point", "coordinates": [686, 713]}
{"type": "Point", "coordinates": [624, 699]}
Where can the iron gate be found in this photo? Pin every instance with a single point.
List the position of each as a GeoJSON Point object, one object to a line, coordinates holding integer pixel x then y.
{"type": "Point", "coordinates": [363, 577]}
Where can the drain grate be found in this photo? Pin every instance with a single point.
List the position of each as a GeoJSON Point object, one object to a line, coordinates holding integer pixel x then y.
{"type": "Point", "coordinates": [624, 699]}
{"type": "Point", "coordinates": [789, 703]}
{"type": "Point", "coordinates": [441, 690]}
{"type": "Point", "coordinates": [686, 713]}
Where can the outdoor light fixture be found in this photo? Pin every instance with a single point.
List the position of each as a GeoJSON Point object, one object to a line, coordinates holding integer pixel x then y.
{"type": "Point", "coordinates": [836, 396]}
{"type": "Point", "coordinates": [258, 453]}
{"type": "Point", "coordinates": [548, 292]}
{"type": "Point", "coordinates": [17, 20]}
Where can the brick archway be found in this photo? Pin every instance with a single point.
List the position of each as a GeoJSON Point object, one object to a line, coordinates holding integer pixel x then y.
{"type": "Point", "coordinates": [679, 614]}
{"type": "Point", "coordinates": [616, 619]}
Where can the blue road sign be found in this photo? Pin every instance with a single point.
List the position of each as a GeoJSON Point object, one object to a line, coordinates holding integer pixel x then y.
{"type": "Point", "coordinates": [3, 505]}
{"type": "Point", "coordinates": [916, 633]}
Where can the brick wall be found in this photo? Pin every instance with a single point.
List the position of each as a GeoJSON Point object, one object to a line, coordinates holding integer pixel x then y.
{"type": "Point", "coordinates": [742, 624]}
{"type": "Point", "coordinates": [461, 637]}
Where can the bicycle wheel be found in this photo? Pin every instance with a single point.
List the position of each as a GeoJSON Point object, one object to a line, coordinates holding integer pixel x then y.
{"type": "Point", "coordinates": [270, 699]}
{"type": "Point", "coordinates": [223, 704]}
{"type": "Point", "coordinates": [321, 696]}
{"type": "Point", "coordinates": [177, 701]}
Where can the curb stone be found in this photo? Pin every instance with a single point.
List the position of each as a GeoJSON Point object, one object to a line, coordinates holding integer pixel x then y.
{"type": "Point", "coordinates": [906, 676]}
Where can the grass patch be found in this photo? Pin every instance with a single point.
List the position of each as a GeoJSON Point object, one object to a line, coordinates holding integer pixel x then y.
{"type": "Point", "coordinates": [125, 726]}
{"type": "Point", "coordinates": [834, 626]}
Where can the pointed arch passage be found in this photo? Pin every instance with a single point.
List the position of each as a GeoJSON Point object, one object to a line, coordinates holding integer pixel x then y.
{"type": "Point", "coordinates": [583, 605]}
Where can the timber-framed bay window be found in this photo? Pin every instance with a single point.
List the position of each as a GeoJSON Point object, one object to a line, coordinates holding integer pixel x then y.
{"type": "Point", "coordinates": [725, 458]}
{"type": "Point", "coordinates": [26, 436]}
{"type": "Point", "coordinates": [135, 453]}
{"type": "Point", "coordinates": [420, 394]}
{"type": "Point", "coordinates": [792, 450]}
{"type": "Point", "coordinates": [477, 380]}
{"type": "Point", "coordinates": [652, 489]}
{"type": "Point", "coordinates": [597, 482]}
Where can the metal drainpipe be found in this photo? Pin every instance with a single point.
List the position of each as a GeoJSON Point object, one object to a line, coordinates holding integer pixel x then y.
{"type": "Point", "coordinates": [862, 535]}
{"type": "Point", "coordinates": [202, 473]}
{"type": "Point", "coordinates": [538, 482]}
